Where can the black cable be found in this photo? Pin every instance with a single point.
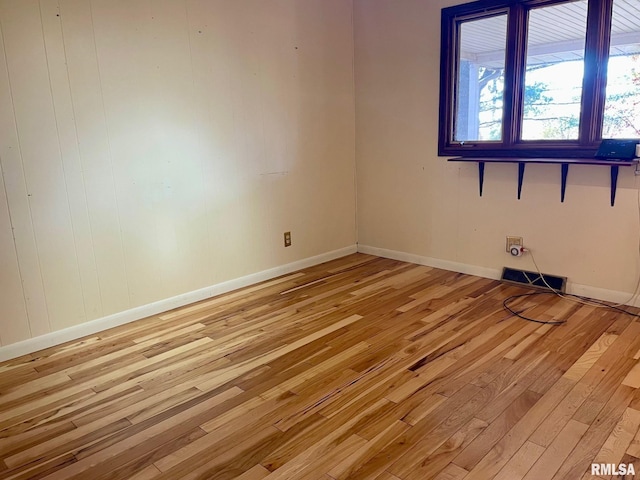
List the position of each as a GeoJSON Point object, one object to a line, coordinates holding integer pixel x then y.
{"type": "Point", "coordinates": [557, 322]}
{"type": "Point", "coordinates": [528, 319]}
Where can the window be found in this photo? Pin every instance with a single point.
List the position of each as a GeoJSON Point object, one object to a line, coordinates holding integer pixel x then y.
{"type": "Point", "coordinates": [622, 105]}
{"type": "Point", "coordinates": [554, 72]}
{"type": "Point", "coordinates": [480, 84]}
{"type": "Point", "coordinates": [532, 78]}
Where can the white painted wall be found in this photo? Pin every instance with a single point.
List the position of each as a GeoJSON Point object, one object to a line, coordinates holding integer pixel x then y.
{"type": "Point", "coordinates": [155, 147]}
{"type": "Point", "coordinates": [151, 148]}
{"type": "Point", "coordinates": [412, 201]}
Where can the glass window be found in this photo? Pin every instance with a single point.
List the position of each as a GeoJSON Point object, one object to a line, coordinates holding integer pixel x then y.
{"type": "Point", "coordinates": [554, 71]}
{"type": "Point", "coordinates": [480, 85]}
{"type": "Point", "coordinates": [622, 107]}
{"type": "Point", "coordinates": [538, 78]}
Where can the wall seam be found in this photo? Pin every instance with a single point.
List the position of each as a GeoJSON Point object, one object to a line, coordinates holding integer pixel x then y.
{"type": "Point", "coordinates": [355, 123]}
{"type": "Point", "coordinates": [80, 161]}
{"type": "Point", "coordinates": [108, 138]}
{"type": "Point", "coordinates": [35, 239]}
{"type": "Point", "coordinates": [64, 173]}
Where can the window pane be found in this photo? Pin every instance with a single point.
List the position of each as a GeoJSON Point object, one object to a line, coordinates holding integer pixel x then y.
{"type": "Point", "coordinates": [554, 72]}
{"type": "Point", "coordinates": [622, 108]}
{"type": "Point", "coordinates": [480, 82]}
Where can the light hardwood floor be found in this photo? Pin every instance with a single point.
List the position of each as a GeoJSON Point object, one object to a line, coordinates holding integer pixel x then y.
{"type": "Point", "coordinates": [358, 368]}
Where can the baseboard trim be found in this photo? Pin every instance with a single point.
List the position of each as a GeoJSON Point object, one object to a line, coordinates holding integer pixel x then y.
{"type": "Point", "coordinates": [494, 274]}
{"type": "Point", "coordinates": [432, 262]}
{"type": "Point", "coordinates": [615, 296]}
{"type": "Point", "coordinates": [95, 326]}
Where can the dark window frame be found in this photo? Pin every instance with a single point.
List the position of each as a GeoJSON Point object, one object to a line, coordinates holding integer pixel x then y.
{"type": "Point", "coordinates": [593, 89]}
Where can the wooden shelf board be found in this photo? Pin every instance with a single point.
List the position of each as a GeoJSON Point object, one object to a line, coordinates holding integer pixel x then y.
{"type": "Point", "coordinates": [568, 161]}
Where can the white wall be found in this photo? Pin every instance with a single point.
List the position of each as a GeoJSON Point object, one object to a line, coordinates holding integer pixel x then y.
{"type": "Point", "coordinates": [412, 201]}
{"type": "Point", "coordinates": [154, 147]}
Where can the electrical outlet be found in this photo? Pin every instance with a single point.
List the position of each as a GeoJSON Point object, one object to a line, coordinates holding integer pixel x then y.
{"type": "Point", "coordinates": [287, 239]}
{"type": "Point", "coordinates": [514, 242]}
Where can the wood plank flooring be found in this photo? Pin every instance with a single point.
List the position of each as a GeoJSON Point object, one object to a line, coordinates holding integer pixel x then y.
{"type": "Point", "coordinates": [359, 368]}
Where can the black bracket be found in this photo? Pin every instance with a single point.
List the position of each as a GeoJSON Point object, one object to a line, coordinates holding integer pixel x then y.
{"type": "Point", "coordinates": [563, 185]}
{"type": "Point", "coordinates": [521, 166]}
{"type": "Point", "coordinates": [564, 166]}
{"type": "Point", "coordinates": [614, 183]}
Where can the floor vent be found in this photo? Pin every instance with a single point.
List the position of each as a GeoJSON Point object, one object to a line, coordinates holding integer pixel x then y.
{"type": "Point", "coordinates": [532, 279]}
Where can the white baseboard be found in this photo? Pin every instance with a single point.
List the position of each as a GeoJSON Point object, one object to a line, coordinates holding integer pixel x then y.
{"type": "Point", "coordinates": [494, 274]}
{"type": "Point", "coordinates": [432, 262]}
{"type": "Point", "coordinates": [94, 326]}
{"type": "Point", "coordinates": [615, 296]}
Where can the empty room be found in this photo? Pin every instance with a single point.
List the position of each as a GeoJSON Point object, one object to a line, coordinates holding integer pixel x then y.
{"type": "Point", "coordinates": [319, 239]}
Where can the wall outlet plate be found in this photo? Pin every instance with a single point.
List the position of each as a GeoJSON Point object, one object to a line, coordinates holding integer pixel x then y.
{"type": "Point", "coordinates": [513, 242]}
{"type": "Point", "coordinates": [287, 239]}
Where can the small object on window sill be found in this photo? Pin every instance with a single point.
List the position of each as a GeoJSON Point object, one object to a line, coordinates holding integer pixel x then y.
{"type": "Point", "coordinates": [615, 149]}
